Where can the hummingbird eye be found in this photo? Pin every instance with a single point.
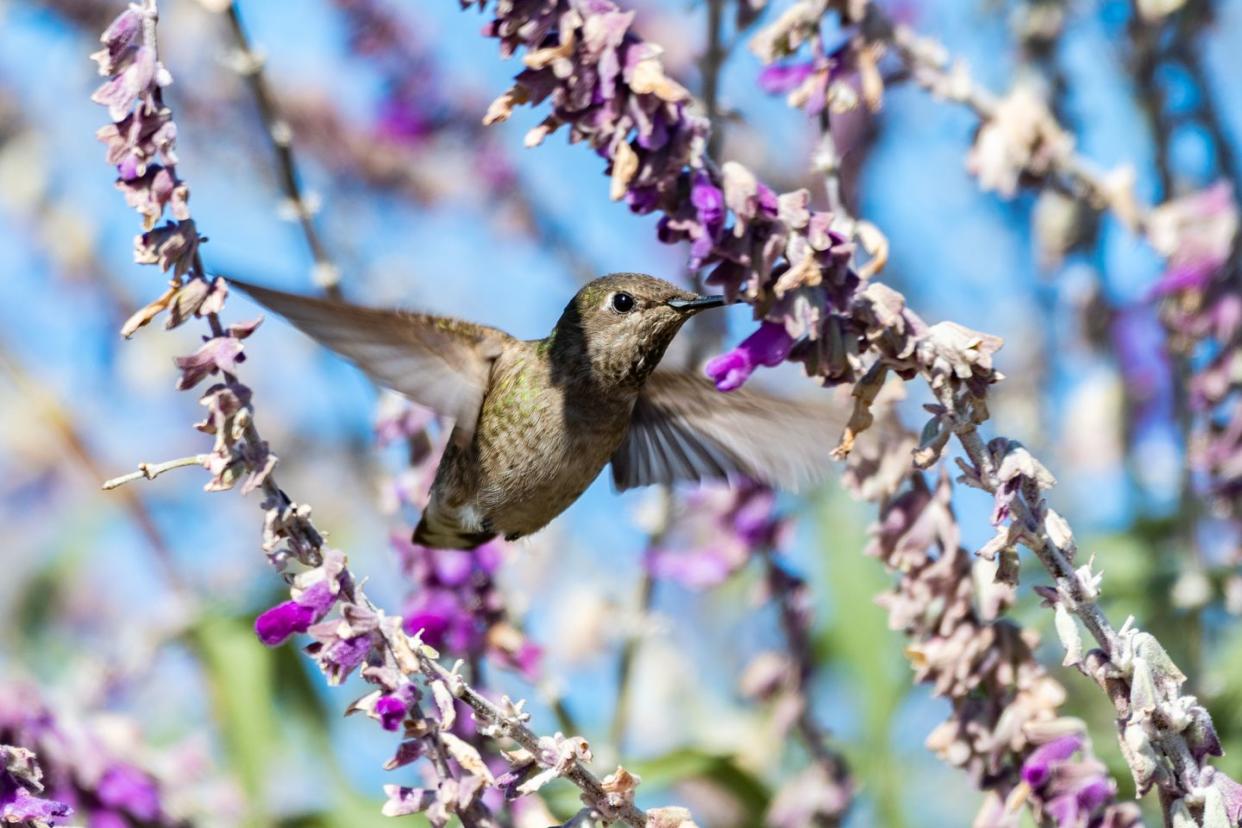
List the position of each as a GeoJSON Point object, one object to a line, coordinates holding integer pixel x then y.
{"type": "Point", "coordinates": [622, 302]}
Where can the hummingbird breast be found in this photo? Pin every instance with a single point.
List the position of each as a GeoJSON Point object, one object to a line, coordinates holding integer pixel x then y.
{"type": "Point", "coordinates": [541, 439]}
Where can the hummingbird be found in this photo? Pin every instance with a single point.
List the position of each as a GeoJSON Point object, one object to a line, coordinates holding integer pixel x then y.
{"type": "Point", "coordinates": [535, 421]}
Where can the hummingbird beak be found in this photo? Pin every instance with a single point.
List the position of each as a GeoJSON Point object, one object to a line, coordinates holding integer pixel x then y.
{"type": "Point", "coordinates": [696, 304]}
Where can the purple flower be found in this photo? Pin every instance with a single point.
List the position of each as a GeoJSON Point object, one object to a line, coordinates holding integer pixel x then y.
{"type": "Point", "coordinates": [121, 92]}
{"type": "Point", "coordinates": [172, 247]}
{"type": "Point", "coordinates": [391, 711]}
{"type": "Point", "coordinates": [220, 353]}
{"type": "Point", "coordinates": [778, 79]}
{"type": "Point", "coordinates": [697, 569]}
{"type": "Point", "coordinates": [401, 420]}
{"type": "Point", "coordinates": [338, 657]}
{"type": "Point", "coordinates": [708, 200]}
{"type": "Point", "coordinates": [402, 120]}
{"type": "Point", "coordinates": [20, 779]}
{"type": "Point", "coordinates": [275, 625]}
{"type": "Point", "coordinates": [443, 618]}
{"type": "Point", "coordinates": [1038, 766]}
{"type": "Point", "coordinates": [124, 787]}
{"type": "Point", "coordinates": [769, 346]}
{"type": "Point", "coordinates": [1196, 233]}
{"type": "Point", "coordinates": [720, 530]}
{"type": "Point", "coordinates": [17, 805]}
{"type": "Point", "coordinates": [121, 41]}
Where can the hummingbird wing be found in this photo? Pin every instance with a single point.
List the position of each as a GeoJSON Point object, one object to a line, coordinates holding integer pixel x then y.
{"type": "Point", "coordinates": [682, 428]}
{"type": "Point", "coordinates": [438, 362]}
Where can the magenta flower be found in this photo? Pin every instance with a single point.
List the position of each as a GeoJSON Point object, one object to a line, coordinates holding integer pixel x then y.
{"type": "Point", "coordinates": [768, 346]}
{"type": "Point", "coordinates": [275, 625]}
{"type": "Point", "coordinates": [444, 619]}
{"type": "Point", "coordinates": [21, 779]}
{"type": "Point", "coordinates": [1071, 789]}
{"type": "Point", "coordinates": [17, 805]}
{"type": "Point", "coordinates": [1039, 765]}
{"type": "Point", "coordinates": [124, 787]}
{"type": "Point", "coordinates": [721, 530]}
{"type": "Point", "coordinates": [708, 200]}
{"type": "Point", "coordinates": [778, 79]}
{"type": "Point", "coordinates": [391, 711]}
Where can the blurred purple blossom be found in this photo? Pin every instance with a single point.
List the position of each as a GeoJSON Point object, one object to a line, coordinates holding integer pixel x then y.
{"type": "Point", "coordinates": [780, 78]}
{"type": "Point", "coordinates": [1196, 233]}
{"type": "Point", "coordinates": [78, 765]}
{"type": "Point", "coordinates": [1201, 307]}
{"type": "Point", "coordinates": [717, 531]}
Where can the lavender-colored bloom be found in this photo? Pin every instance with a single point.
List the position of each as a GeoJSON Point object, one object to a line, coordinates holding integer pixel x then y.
{"type": "Point", "coordinates": [718, 533]}
{"type": "Point", "coordinates": [455, 602]}
{"type": "Point", "coordinates": [708, 200]}
{"type": "Point", "coordinates": [778, 78]}
{"type": "Point", "coordinates": [274, 626]}
{"type": "Point", "coordinates": [443, 620]}
{"type": "Point", "coordinates": [1196, 233]}
{"type": "Point", "coordinates": [769, 345]}
{"type": "Point", "coordinates": [18, 805]}
{"type": "Point", "coordinates": [21, 779]}
{"type": "Point", "coordinates": [121, 92]}
{"type": "Point", "coordinates": [126, 788]}
{"type": "Point", "coordinates": [391, 711]}
{"type": "Point", "coordinates": [1038, 766]}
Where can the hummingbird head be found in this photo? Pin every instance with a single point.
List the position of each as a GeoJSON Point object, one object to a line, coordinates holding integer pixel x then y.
{"type": "Point", "coordinates": [617, 327]}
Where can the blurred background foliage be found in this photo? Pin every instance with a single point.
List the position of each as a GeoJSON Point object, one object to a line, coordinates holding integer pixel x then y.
{"type": "Point", "coordinates": [138, 603]}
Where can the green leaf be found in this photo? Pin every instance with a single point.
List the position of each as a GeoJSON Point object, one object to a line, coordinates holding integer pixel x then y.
{"type": "Point", "coordinates": [688, 763]}
{"type": "Point", "coordinates": [857, 645]}
{"type": "Point", "coordinates": [240, 674]}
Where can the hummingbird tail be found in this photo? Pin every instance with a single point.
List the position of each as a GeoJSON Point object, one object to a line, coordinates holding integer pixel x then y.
{"type": "Point", "coordinates": [448, 537]}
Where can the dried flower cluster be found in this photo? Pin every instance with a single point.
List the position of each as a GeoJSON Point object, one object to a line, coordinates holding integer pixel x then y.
{"type": "Point", "coordinates": [608, 88]}
{"type": "Point", "coordinates": [715, 531]}
{"type": "Point", "coordinates": [1005, 725]}
{"type": "Point", "coordinates": [1201, 307]}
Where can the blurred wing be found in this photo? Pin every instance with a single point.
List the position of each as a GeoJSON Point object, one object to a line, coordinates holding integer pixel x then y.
{"type": "Point", "coordinates": [441, 363]}
{"type": "Point", "coordinates": [684, 429]}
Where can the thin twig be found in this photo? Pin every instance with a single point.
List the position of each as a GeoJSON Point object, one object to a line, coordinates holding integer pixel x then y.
{"type": "Point", "coordinates": [150, 471]}
{"type": "Point", "coordinates": [629, 647]}
{"type": "Point", "coordinates": [249, 64]}
{"type": "Point", "coordinates": [933, 69]}
{"type": "Point", "coordinates": [783, 587]}
{"type": "Point", "coordinates": [61, 419]}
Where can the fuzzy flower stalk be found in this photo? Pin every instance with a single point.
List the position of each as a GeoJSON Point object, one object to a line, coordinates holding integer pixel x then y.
{"type": "Point", "coordinates": [607, 87]}
{"type": "Point", "coordinates": [1005, 727]}
{"type": "Point", "coordinates": [347, 632]}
